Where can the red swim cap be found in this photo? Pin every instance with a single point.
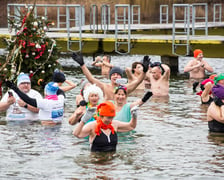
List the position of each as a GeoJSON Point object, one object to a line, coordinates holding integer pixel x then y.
{"type": "Point", "coordinates": [197, 52]}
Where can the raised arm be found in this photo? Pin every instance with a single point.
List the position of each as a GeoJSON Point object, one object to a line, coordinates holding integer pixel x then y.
{"type": "Point", "coordinates": [134, 84]}
{"type": "Point", "coordinates": [128, 126]}
{"type": "Point", "coordinates": [97, 62]}
{"type": "Point", "coordinates": [166, 69]}
{"type": "Point", "coordinates": [75, 117]}
{"type": "Point", "coordinates": [79, 59]}
{"type": "Point", "coordinates": [129, 74]}
{"type": "Point", "coordinates": [140, 102]}
{"type": "Point", "coordinates": [82, 130]}
{"type": "Point", "coordinates": [70, 85]}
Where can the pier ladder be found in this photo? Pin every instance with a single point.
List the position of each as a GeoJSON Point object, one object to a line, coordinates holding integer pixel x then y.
{"type": "Point", "coordinates": [181, 29]}
{"type": "Point", "coordinates": [122, 29]}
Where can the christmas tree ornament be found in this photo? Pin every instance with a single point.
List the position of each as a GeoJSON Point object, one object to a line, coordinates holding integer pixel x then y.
{"type": "Point", "coordinates": [13, 71]}
{"type": "Point", "coordinates": [35, 24]}
{"type": "Point", "coordinates": [29, 48]}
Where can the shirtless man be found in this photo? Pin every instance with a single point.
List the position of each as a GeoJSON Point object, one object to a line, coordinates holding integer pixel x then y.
{"type": "Point", "coordinates": [159, 76]}
{"type": "Point", "coordinates": [104, 64]}
{"type": "Point", "coordinates": [115, 73]}
{"type": "Point", "coordinates": [134, 73]}
{"type": "Point", "coordinates": [197, 66]}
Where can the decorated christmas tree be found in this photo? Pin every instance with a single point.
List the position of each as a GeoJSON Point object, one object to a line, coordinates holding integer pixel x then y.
{"type": "Point", "coordinates": [29, 50]}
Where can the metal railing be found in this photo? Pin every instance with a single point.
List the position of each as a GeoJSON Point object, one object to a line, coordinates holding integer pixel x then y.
{"type": "Point", "coordinates": [71, 22]}
{"type": "Point", "coordinates": [164, 14]}
{"type": "Point", "coordinates": [105, 17]}
{"type": "Point", "coordinates": [185, 32]}
{"type": "Point", "coordinates": [122, 29]}
{"type": "Point", "coordinates": [217, 13]}
{"type": "Point", "coordinates": [93, 18]}
{"type": "Point", "coordinates": [200, 22]}
{"type": "Point", "coordinates": [135, 16]}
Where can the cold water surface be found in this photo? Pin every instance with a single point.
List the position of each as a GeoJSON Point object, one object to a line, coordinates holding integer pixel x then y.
{"type": "Point", "coordinates": [171, 140]}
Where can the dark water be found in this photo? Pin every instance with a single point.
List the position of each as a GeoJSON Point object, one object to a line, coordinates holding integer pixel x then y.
{"type": "Point", "coordinates": [171, 140]}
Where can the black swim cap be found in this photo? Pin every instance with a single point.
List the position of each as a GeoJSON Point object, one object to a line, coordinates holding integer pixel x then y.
{"type": "Point", "coordinates": [59, 76]}
{"type": "Point", "coordinates": [116, 70]}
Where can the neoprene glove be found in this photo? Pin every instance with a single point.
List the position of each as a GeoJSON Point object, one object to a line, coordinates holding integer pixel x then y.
{"type": "Point", "coordinates": [89, 113]}
{"type": "Point", "coordinates": [134, 112]}
{"type": "Point", "coordinates": [145, 63]}
{"type": "Point", "coordinates": [11, 85]}
{"type": "Point", "coordinates": [147, 96]}
{"type": "Point", "coordinates": [78, 58]}
{"type": "Point", "coordinates": [83, 103]}
{"type": "Point", "coordinates": [218, 101]}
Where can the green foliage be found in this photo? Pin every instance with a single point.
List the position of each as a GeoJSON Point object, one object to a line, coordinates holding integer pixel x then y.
{"type": "Point", "coordinates": [29, 50]}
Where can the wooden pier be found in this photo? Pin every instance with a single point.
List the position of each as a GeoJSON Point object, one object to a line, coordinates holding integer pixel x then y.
{"type": "Point", "coordinates": [154, 39]}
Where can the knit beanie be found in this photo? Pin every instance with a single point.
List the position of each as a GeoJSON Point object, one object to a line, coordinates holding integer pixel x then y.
{"type": "Point", "coordinates": [116, 70]}
{"type": "Point", "coordinates": [22, 78]}
{"type": "Point", "coordinates": [218, 78]}
{"type": "Point", "coordinates": [218, 91]}
{"type": "Point", "coordinates": [51, 88]}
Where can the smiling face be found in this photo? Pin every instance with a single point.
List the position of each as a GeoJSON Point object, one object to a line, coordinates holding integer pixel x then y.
{"type": "Point", "coordinates": [200, 56]}
{"type": "Point", "coordinates": [93, 99]}
{"type": "Point", "coordinates": [107, 119]}
{"type": "Point", "coordinates": [24, 87]}
{"type": "Point", "coordinates": [120, 96]}
{"type": "Point", "coordinates": [114, 77]}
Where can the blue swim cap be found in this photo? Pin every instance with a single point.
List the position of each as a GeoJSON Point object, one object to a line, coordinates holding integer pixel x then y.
{"type": "Point", "coordinates": [51, 88]}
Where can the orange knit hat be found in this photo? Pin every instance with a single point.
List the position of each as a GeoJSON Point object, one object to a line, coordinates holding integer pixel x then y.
{"type": "Point", "coordinates": [197, 52]}
{"type": "Point", "coordinates": [106, 108]}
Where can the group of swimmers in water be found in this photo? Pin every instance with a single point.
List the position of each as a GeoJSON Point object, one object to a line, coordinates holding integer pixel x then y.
{"type": "Point", "coordinates": [102, 108]}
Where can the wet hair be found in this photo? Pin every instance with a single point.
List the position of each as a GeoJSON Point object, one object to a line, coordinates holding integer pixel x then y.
{"type": "Point", "coordinates": [134, 65]}
{"type": "Point", "coordinates": [108, 57]}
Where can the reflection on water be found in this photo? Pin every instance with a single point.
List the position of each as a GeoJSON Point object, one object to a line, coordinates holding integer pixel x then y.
{"type": "Point", "coordinates": [171, 141]}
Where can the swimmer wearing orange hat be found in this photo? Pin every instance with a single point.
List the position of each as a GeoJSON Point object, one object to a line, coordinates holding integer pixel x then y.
{"type": "Point", "coordinates": [198, 66]}
{"type": "Point", "coordinates": [102, 132]}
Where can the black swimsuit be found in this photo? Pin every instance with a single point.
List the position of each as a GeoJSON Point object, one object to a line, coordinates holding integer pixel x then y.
{"type": "Point", "coordinates": [104, 143]}
{"type": "Point", "coordinates": [215, 126]}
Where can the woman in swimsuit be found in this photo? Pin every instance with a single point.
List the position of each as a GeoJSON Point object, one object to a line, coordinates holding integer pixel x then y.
{"type": "Point", "coordinates": [215, 113]}
{"type": "Point", "coordinates": [206, 93]}
{"type": "Point", "coordinates": [123, 109]}
{"type": "Point", "coordinates": [103, 132]}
